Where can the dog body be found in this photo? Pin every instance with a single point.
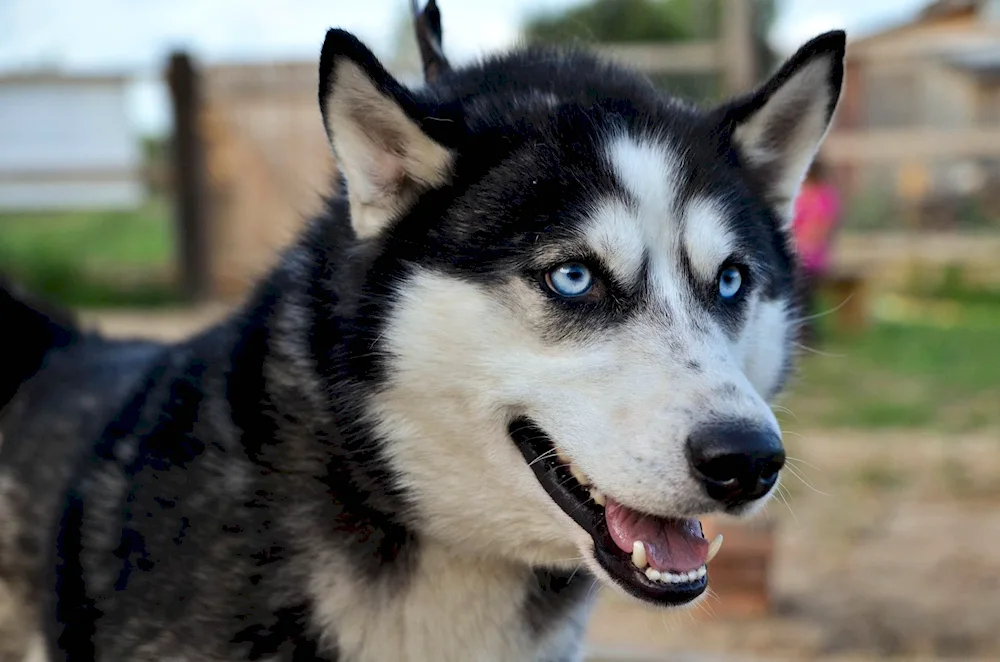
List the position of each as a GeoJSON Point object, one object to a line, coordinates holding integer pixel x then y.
{"type": "Point", "coordinates": [539, 326]}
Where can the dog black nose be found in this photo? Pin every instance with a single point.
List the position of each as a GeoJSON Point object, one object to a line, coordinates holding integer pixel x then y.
{"type": "Point", "coordinates": [737, 461]}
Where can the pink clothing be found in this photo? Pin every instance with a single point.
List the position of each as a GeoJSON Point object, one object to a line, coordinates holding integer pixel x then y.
{"type": "Point", "coordinates": [816, 213]}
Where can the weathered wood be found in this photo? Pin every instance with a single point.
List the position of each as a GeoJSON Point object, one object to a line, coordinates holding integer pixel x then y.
{"type": "Point", "coordinates": [741, 574]}
{"type": "Point", "coordinates": [732, 55]}
{"type": "Point", "coordinates": [739, 65]}
{"type": "Point", "coordinates": [897, 145]}
{"type": "Point", "coordinates": [189, 178]}
{"type": "Point", "coordinates": [268, 165]}
{"type": "Point", "coordinates": [693, 57]}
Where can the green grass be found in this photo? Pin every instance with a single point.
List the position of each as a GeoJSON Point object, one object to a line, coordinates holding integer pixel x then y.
{"type": "Point", "coordinates": [92, 258]}
{"type": "Point", "coordinates": [939, 371]}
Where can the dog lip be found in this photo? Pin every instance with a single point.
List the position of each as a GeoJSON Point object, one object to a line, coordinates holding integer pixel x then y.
{"type": "Point", "coordinates": [575, 500]}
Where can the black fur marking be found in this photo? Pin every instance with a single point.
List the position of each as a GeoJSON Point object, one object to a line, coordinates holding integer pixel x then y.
{"type": "Point", "coordinates": [35, 330]}
{"type": "Point", "coordinates": [553, 595]}
{"type": "Point", "coordinates": [285, 635]}
{"type": "Point", "coordinates": [429, 38]}
{"type": "Point", "coordinates": [832, 44]}
{"type": "Point", "coordinates": [75, 609]}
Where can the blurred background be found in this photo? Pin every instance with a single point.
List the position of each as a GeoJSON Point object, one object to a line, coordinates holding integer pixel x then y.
{"type": "Point", "coordinates": [154, 156]}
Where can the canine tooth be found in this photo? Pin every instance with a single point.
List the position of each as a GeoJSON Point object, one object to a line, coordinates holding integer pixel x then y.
{"type": "Point", "coordinates": [702, 571]}
{"type": "Point", "coordinates": [578, 475]}
{"type": "Point", "coordinates": [714, 548]}
{"type": "Point", "coordinates": [639, 555]}
{"type": "Point", "coordinates": [653, 574]}
{"type": "Point", "coordinates": [598, 497]}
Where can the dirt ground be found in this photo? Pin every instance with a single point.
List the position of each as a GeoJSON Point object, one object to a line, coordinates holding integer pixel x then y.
{"type": "Point", "coordinates": [887, 548]}
{"type": "Point", "coordinates": [890, 551]}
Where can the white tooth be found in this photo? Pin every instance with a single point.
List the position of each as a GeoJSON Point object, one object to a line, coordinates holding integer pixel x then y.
{"type": "Point", "coordinates": [639, 555]}
{"type": "Point", "coordinates": [693, 575]}
{"type": "Point", "coordinates": [579, 475]}
{"type": "Point", "coordinates": [702, 571]}
{"type": "Point", "coordinates": [653, 574]}
{"type": "Point", "coordinates": [598, 497]}
{"type": "Point", "coordinates": [714, 548]}
{"type": "Point", "coordinates": [674, 579]}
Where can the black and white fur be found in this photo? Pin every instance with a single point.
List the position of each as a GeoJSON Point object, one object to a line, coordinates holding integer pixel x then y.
{"type": "Point", "coordinates": [329, 473]}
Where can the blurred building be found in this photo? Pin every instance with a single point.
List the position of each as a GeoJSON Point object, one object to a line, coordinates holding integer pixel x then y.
{"type": "Point", "coordinates": [921, 112]}
{"type": "Point", "coordinates": [66, 143]}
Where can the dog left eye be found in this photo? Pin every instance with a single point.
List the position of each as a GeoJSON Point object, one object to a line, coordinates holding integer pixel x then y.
{"type": "Point", "coordinates": [730, 282]}
{"type": "Point", "coordinates": [570, 280]}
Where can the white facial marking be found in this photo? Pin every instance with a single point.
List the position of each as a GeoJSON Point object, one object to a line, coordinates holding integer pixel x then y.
{"type": "Point", "coordinates": [460, 360]}
{"type": "Point", "coordinates": [707, 238]}
{"type": "Point", "coordinates": [764, 343]}
{"type": "Point", "coordinates": [647, 170]}
{"type": "Point", "coordinates": [612, 235]}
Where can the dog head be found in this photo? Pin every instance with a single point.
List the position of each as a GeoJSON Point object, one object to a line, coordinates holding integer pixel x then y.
{"type": "Point", "coordinates": [581, 294]}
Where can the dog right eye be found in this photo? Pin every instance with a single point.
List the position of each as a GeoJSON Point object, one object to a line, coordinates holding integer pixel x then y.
{"type": "Point", "coordinates": [570, 280]}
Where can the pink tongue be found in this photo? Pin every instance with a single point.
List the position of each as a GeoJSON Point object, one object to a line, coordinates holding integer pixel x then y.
{"type": "Point", "coordinates": [671, 544]}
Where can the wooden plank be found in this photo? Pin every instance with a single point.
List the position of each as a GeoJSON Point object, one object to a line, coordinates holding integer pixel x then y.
{"type": "Point", "coordinates": [223, 83]}
{"type": "Point", "coordinates": [691, 57]}
{"type": "Point", "coordinates": [88, 175]}
{"type": "Point", "coordinates": [888, 145]}
{"type": "Point", "coordinates": [189, 177]}
{"type": "Point", "coordinates": [739, 62]}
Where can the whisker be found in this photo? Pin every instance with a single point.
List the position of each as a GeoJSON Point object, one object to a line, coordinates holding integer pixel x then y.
{"type": "Point", "coordinates": [548, 453]}
{"type": "Point", "coordinates": [799, 460]}
{"type": "Point", "coordinates": [780, 492]}
{"type": "Point", "coordinates": [826, 312]}
{"type": "Point", "coordinates": [819, 352]}
{"type": "Point", "coordinates": [805, 482]}
{"type": "Point", "coordinates": [784, 410]}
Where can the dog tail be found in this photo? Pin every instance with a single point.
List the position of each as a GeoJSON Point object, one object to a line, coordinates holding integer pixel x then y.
{"type": "Point", "coordinates": [32, 330]}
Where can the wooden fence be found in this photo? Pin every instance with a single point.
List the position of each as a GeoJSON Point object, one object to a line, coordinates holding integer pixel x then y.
{"type": "Point", "coordinates": [252, 161]}
{"type": "Point", "coordinates": [731, 55]}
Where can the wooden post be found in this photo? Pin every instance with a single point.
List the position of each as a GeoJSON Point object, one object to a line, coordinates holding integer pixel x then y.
{"type": "Point", "coordinates": [189, 179]}
{"type": "Point", "coordinates": [739, 63]}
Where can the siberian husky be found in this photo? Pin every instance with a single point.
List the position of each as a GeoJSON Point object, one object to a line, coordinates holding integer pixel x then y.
{"type": "Point", "coordinates": [529, 343]}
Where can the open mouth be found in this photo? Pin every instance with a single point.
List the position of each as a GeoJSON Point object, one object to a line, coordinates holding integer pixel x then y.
{"type": "Point", "coordinates": [658, 559]}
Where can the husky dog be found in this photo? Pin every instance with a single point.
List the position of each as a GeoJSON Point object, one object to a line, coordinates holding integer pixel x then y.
{"type": "Point", "coordinates": [530, 341]}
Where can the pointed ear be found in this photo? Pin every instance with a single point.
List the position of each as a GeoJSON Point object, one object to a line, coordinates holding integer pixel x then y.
{"type": "Point", "coordinates": [385, 155]}
{"type": "Point", "coordinates": [778, 129]}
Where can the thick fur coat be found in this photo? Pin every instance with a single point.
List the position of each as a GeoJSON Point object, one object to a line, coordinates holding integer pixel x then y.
{"type": "Point", "coordinates": [339, 471]}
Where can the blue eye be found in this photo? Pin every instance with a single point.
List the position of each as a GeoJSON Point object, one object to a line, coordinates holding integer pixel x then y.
{"type": "Point", "coordinates": [730, 282]}
{"type": "Point", "coordinates": [570, 279]}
